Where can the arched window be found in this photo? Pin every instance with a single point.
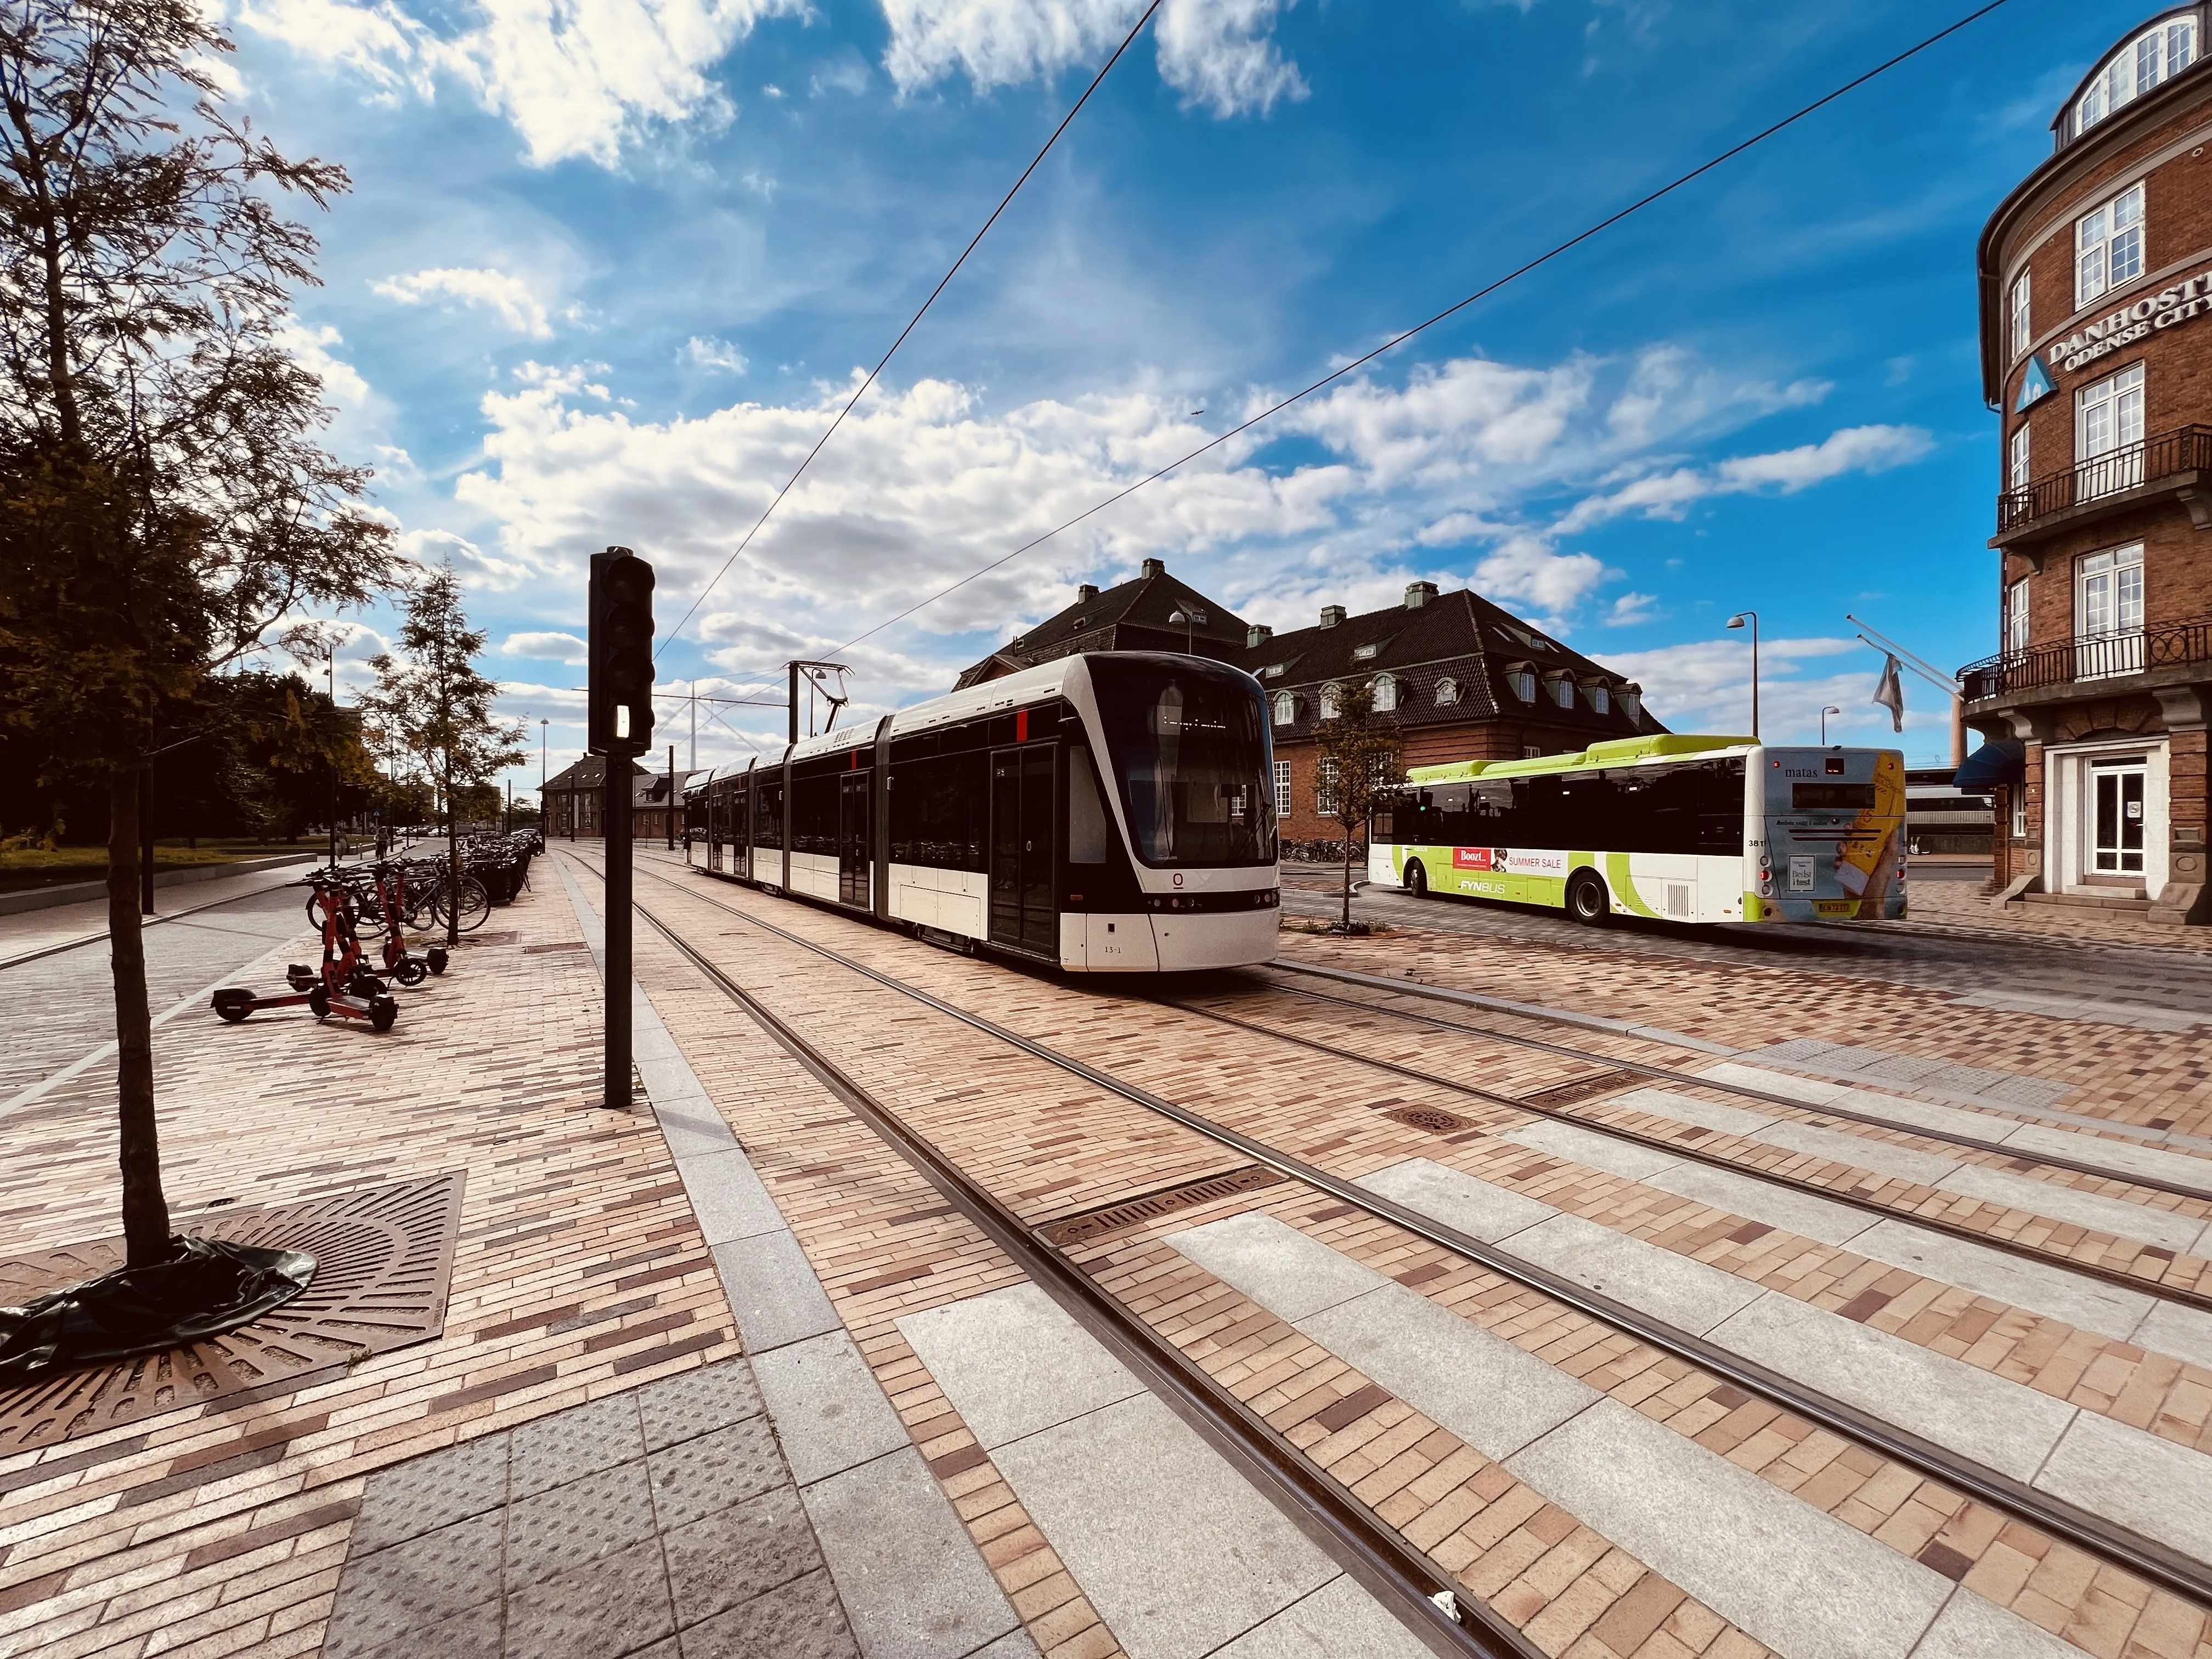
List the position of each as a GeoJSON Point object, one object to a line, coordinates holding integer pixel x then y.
{"type": "Point", "coordinates": [2158, 53]}
{"type": "Point", "coordinates": [1447, 691]}
{"type": "Point", "coordinates": [1632, 701]}
{"type": "Point", "coordinates": [1600, 700]}
{"type": "Point", "coordinates": [1329, 697]}
{"type": "Point", "coordinates": [1563, 690]}
{"type": "Point", "coordinates": [1521, 680]}
{"type": "Point", "coordinates": [1287, 709]}
{"type": "Point", "coordinates": [1386, 693]}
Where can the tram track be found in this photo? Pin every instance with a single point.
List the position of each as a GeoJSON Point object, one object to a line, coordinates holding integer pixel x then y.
{"type": "Point", "coordinates": [2098, 1536]}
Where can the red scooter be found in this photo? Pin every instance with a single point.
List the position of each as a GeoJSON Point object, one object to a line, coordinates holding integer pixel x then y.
{"type": "Point", "coordinates": [347, 987]}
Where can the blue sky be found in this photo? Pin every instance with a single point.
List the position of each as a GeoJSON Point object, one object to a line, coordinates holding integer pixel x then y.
{"type": "Point", "coordinates": [609, 267]}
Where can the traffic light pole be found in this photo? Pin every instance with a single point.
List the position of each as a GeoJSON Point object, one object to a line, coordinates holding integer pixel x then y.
{"type": "Point", "coordinates": [615, 813]}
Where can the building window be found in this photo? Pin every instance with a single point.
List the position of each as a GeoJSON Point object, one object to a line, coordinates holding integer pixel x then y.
{"type": "Point", "coordinates": [1532, 751]}
{"type": "Point", "coordinates": [1365, 653]}
{"type": "Point", "coordinates": [1287, 709]}
{"type": "Point", "coordinates": [2015, 617]}
{"type": "Point", "coordinates": [2108, 613]}
{"type": "Point", "coordinates": [1632, 702]}
{"type": "Point", "coordinates": [2108, 247]}
{"type": "Point", "coordinates": [2019, 803]}
{"type": "Point", "coordinates": [1600, 700]}
{"type": "Point", "coordinates": [1325, 802]}
{"type": "Point", "coordinates": [2016, 461]}
{"type": "Point", "coordinates": [1563, 691]}
{"type": "Point", "coordinates": [2022, 330]}
{"type": "Point", "coordinates": [2156, 55]}
{"type": "Point", "coordinates": [1447, 691]}
{"type": "Point", "coordinates": [2108, 432]}
{"type": "Point", "coordinates": [1386, 693]}
{"type": "Point", "coordinates": [1282, 789]}
{"type": "Point", "coordinates": [1524, 683]}
{"type": "Point", "coordinates": [1330, 695]}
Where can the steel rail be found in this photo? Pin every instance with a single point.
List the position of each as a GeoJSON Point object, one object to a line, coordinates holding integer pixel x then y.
{"type": "Point", "coordinates": [2119, 1277]}
{"type": "Point", "coordinates": [1393, 1571]}
{"type": "Point", "coordinates": [2119, 1547]}
{"type": "Point", "coordinates": [1690, 1080]}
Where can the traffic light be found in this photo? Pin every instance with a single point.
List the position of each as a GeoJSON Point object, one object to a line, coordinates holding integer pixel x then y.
{"type": "Point", "coordinates": [620, 654]}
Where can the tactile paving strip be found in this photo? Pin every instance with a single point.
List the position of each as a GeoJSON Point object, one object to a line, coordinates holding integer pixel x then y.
{"type": "Point", "coordinates": [384, 1256]}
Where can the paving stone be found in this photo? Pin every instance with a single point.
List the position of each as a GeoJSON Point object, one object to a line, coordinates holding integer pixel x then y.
{"type": "Point", "coordinates": [829, 1410]}
{"type": "Point", "coordinates": [601, 1610]}
{"type": "Point", "coordinates": [684, 1407]}
{"type": "Point", "coordinates": [727, 1197]}
{"type": "Point", "coordinates": [736, 1554]}
{"type": "Point", "coordinates": [589, 1517]}
{"type": "Point", "coordinates": [426, 1493]}
{"type": "Point", "coordinates": [797, 1621]}
{"type": "Point", "coordinates": [580, 1441]}
{"type": "Point", "coordinates": [402, 1591]}
{"type": "Point", "coordinates": [773, 1291]}
{"type": "Point", "coordinates": [475, 1634]}
{"type": "Point", "coordinates": [694, 1478]}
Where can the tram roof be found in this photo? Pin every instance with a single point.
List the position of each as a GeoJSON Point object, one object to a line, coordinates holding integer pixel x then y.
{"type": "Point", "coordinates": [1614, 752]}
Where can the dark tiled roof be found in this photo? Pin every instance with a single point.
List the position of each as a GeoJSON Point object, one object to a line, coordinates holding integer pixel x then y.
{"type": "Point", "coordinates": [1132, 617]}
{"type": "Point", "coordinates": [588, 773]}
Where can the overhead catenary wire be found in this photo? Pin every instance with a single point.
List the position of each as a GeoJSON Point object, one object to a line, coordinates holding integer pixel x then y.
{"type": "Point", "coordinates": [1035, 162]}
{"type": "Point", "coordinates": [1397, 340]}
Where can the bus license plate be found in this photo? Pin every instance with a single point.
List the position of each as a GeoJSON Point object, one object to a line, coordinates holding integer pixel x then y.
{"type": "Point", "coordinates": [1844, 907]}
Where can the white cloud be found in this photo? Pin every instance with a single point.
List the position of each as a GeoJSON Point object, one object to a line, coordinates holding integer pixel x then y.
{"type": "Point", "coordinates": [1217, 53]}
{"type": "Point", "coordinates": [476, 567]}
{"type": "Point", "coordinates": [546, 648]}
{"type": "Point", "coordinates": [1668, 495]}
{"type": "Point", "coordinates": [511, 297]}
{"type": "Point", "coordinates": [1705, 685]}
{"type": "Point", "coordinates": [1525, 569]}
{"type": "Point", "coordinates": [1630, 609]}
{"type": "Point", "coordinates": [705, 351]}
{"type": "Point", "coordinates": [342, 382]}
{"type": "Point", "coordinates": [575, 80]}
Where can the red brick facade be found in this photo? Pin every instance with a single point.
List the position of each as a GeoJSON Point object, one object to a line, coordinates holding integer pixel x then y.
{"type": "Point", "coordinates": [2104, 678]}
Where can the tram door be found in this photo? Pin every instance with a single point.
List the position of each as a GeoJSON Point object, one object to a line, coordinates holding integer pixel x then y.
{"type": "Point", "coordinates": [1024, 850]}
{"type": "Point", "coordinates": [856, 846]}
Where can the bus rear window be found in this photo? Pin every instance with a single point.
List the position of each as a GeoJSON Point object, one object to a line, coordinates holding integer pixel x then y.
{"type": "Point", "coordinates": [1830, 796]}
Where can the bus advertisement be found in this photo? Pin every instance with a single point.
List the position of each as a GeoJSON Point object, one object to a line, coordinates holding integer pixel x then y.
{"type": "Point", "coordinates": [1671, 827]}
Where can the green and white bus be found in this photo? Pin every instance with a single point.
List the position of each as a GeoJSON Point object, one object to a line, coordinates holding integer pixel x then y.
{"type": "Point", "coordinates": [1672, 827]}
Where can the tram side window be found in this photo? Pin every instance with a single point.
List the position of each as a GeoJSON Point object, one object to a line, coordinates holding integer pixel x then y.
{"type": "Point", "coordinates": [814, 812]}
{"type": "Point", "coordinates": [1087, 831]}
{"type": "Point", "coordinates": [767, 813]}
{"type": "Point", "coordinates": [938, 808]}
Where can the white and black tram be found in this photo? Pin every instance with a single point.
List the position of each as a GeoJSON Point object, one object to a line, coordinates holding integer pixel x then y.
{"type": "Point", "coordinates": [1108, 812]}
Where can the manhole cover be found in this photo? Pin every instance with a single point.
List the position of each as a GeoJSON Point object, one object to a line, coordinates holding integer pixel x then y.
{"type": "Point", "coordinates": [564, 944]}
{"type": "Point", "coordinates": [383, 1258]}
{"type": "Point", "coordinates": [1130, 1213]}
{"type": "Point", "coordinates": [1580, 1088]}
{"type": "Point", "coordinates": [1429, 1118]}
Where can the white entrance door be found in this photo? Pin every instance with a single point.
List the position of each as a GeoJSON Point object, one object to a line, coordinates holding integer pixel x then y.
{"type": "Point", "coordinates": [2118, 805]}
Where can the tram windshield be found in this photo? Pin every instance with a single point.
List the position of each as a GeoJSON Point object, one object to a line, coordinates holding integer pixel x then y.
{"type": "Point", "coordinates": [1189, 753]}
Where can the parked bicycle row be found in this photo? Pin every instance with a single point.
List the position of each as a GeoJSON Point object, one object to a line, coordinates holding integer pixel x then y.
{"type": "Point", "coordinates": [380, 904]}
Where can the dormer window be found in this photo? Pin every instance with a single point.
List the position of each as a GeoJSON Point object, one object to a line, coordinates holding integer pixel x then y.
{"type": "Point", "coordinates": [1521, 680]}
{"type": "Point", "coordinates": [2158, 53]}
{"type": "Point", "coordinates": [1562, 690]}
{"type": "Point", "coordinates": [1386, 693]}
{"type": "Point", "coordinates": [1286, 707]}
{"type": "Point", "coordinates": [1632, 702]}
{"type": "Point", "coordinates": [1601, 700]}
{"type": "Point", "coordinates": [1364, 652]}
{"type": "Point", "coordinates": [1274, 670]}
{"type": "Point", "coordinates": [1331, 696]}
{"type": "Point", "coordinates": [1447, 691]}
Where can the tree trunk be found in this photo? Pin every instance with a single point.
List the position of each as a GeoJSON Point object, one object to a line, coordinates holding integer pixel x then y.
{"type": "Point", "coordinates": [1344, 922]}
{"type": "Point", "coordinates": [145, 1210]}
{"type": "Point", "coordinates": [452, 870]}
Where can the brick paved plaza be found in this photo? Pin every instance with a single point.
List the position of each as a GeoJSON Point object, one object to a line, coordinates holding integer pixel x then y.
{"type": "Point", "coordinates": [725, 1374]}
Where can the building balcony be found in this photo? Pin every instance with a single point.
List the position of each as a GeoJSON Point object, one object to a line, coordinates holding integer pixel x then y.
{"type": "Point", "coordinates": [2171, 652]}
{"type": "Point", "coordinates": [2176, 465]}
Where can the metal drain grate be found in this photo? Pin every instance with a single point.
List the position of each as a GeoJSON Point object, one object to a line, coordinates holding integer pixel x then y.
{"type": "Point", "coordinates": [565, 944]}
{"type": "Point", "coordinates": [1429, 1118]}
{"type": "Point", "coordinates": [383, 1255]}
{"type": "Point", "coordinates": [1131, 1213]}
{"type": "Point", "coordinates": [1580, 1088]}
{"type": "Point", "coordinates": [489, 938]}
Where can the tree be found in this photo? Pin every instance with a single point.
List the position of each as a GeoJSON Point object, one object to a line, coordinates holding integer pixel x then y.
{"type": "Point", "coordinates": [433, 703]}
{"type": "Point", "coordinates": [164, 502]}
{"type": "Point", "coordinates": [1361, 761]}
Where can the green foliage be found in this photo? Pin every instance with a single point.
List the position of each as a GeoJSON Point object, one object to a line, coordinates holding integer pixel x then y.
{"type": "Point", "coordinates": [1361, 760]}
{"type": "Point", "coordinates": [431, 704]}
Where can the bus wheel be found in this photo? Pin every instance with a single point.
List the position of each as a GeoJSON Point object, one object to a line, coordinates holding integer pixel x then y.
{"type": "Point", "coordinates": [1587, 900]}
{"type": "Point", "coordinates": [1417, 880]}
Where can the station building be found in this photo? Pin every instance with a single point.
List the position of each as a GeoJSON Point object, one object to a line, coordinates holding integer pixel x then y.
{"type": "Point", "coordinates": [2096, 301]}
{"type": "Point", "coordinates": [574, 802]}
{"type": "Point", "coordinates": [1464, 679]}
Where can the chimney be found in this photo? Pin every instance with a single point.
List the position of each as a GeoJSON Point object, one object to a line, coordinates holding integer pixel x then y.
{"type": "Point", "coordinates": [1331, 615]}
{"type": "Point", "coordinates": [1257, 636]}
{"type": "Point", "coordinates": [1419, 594]}
{"type": "Point", "coordinates": [1085, 593]}
{"type": "Point", "coordinates": [1153, 568]}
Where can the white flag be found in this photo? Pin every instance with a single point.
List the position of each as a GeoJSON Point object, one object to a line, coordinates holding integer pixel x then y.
{"type": "Point", "coordinates": [1890, 694]}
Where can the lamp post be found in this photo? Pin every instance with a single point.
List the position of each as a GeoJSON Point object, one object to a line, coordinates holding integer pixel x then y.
{"type": "Point", "coordinates": [331, 673]}
{"type": "Point", "coordinates": [1189, 616]}
{"type": "Point", "coordinates": [1738, 621]}
{"type": "Point", "coordinates": [1824, 713]}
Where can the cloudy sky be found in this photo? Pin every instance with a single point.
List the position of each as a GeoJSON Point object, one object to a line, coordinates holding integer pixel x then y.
{"type": "Point", "coordinates": [610, 266]}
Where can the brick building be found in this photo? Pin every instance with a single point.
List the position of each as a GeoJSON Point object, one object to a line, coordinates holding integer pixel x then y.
{"type": "Point", "coordinates": [574, 802]}
{"type": "Point", "coordinates": [2096, 294]}
{"type": "Point", "coordinates": [1465, 679]}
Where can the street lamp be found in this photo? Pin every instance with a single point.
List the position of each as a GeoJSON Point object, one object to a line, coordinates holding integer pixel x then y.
{"type": "Point", "coordinates": [1188, 617]}
{"type": "Point", "coordinates": [1824, 713]}
{"type": "Point", "coordinates": [1738, 621]}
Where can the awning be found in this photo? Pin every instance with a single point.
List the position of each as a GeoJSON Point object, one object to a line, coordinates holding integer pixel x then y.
{"type": "Point", "coordinates": [2001, 760]}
